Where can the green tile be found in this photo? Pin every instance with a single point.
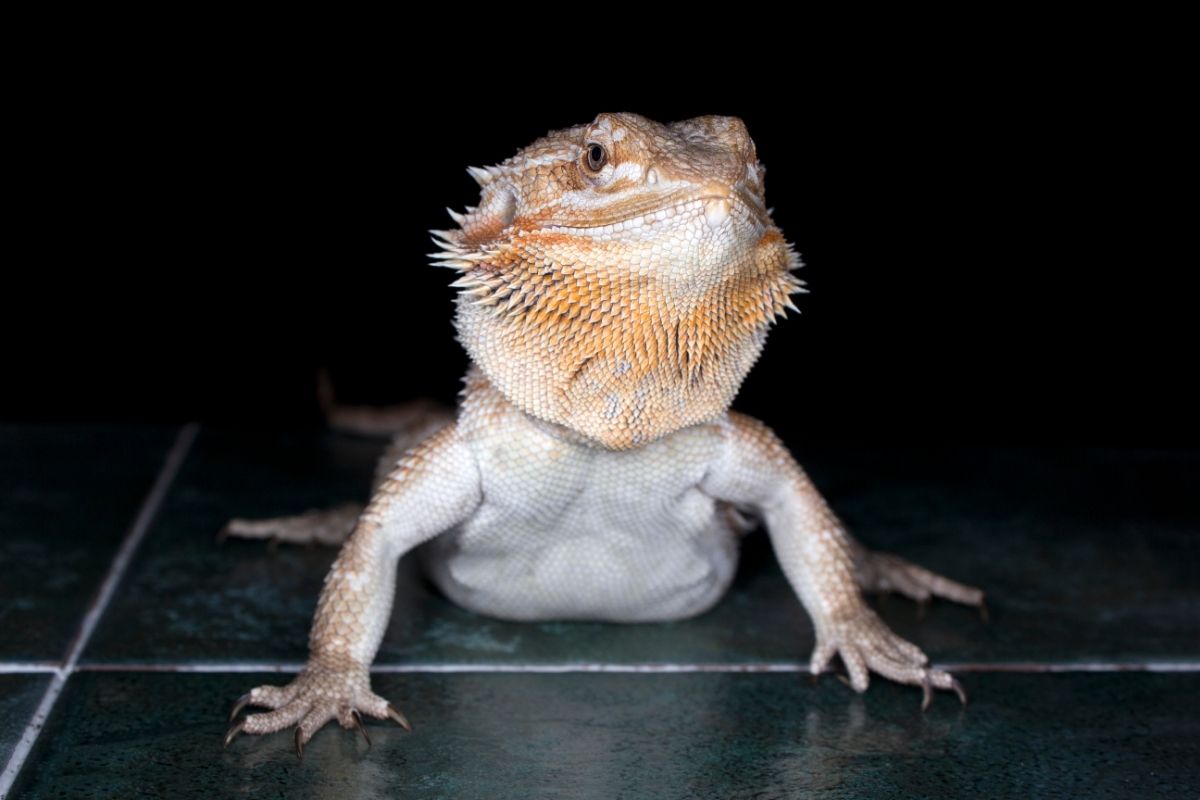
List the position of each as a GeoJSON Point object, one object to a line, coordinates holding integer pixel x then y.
{"type": "Point", "coordinates": [19, 698]}
{"type": "Point", "coordinates": [187, 597]}
{"type": "Point", "coordinates": [660, 736]}
{"type": "Point", "coordinates": [68, 494]}
{"type": "Point", "coordinates": [1086, 555]}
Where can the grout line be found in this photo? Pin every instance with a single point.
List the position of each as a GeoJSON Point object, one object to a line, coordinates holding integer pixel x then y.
{"type": "Point", "coordinates": [141, 525]}
{"type": "Point", "coordinates": [28, 668]}
{"type": "Point", "coordinates": [1083, 666]}
{"type": "Point", "coordinates": [386, 669]}
{"type": "Point", "coordinates": [120, 562]}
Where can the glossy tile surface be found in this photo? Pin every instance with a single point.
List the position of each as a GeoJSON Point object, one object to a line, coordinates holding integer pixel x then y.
{"type": "Point", "coordinates": [1086, 556]}
{"type": "Point", "coordinates": [638, 735]}
{"type": "Point", "coordinates": [68, 494]}
{"type": "Point", "coordinates": [19, 698]}
{"type": "Point", "coordinates": [188, 597]}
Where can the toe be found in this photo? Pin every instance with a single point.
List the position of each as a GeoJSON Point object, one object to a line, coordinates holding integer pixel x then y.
{"type": "Point", "coordinates": [313, 721]}
{"type": "Point", "coordinates": [944, 680]}
{"type": "Point", "coordinates": [273, 696]}
{"type": "Point", "coordinates": [905, 650]}
{"type": "Point", "coordinates": [908, 582]}
{"type": "Point", "coordinates": [897, 670]}
{"type": "Point", "coordinates": [275, 720]}
{"type": "Point", "coordinates": [372, 704]}
{"type": "Point", "coordinates": [821, 657]}
{"type": "Point", "coordinates": [263, 697]}
{"type": "Point", "coordinates": [946, 588]}
{"type": "Point", "coordinates": [856, 665]}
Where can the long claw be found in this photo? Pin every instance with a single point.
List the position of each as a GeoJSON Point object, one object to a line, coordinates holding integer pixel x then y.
{"type": "Point", "coordinates": [926, 695]}
{"type": "Point", "coordinates": [983, 611]}
{"type": "Point", "coordinates": [814, 677]}
{"type": "Point", "coordinates": [358, 723]}
{"type": "Point", "coordinates": [844, 679]}
{"type": "Point", "coordinates": [958, 690]}
{"type": "Point", "coordinates": [239, 705]}
{"type": "Point", "coordinates": [299, 743]}
{"type": "Point", "coordinates": [922, 607]}
{"type": "Point", "coordinates": [222, 535]}
{"type": "Point", "coordinates": [400, 719]}
{"type": "Point", "coordinates": [233, 731]}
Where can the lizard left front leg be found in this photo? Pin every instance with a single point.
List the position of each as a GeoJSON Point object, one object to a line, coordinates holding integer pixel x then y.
{"type": "Point", "coordinates": [819, 558]}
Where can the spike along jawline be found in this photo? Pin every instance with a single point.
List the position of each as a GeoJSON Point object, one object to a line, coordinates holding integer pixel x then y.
{"type": "Point", "coordinates": [484, 175]}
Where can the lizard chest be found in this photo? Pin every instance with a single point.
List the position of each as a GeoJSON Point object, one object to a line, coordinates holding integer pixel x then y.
{"type": "Point", "coordinates": [569, 531]}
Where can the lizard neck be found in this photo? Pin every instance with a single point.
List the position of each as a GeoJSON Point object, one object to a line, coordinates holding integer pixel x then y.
{"type": "Point", "coordinates": [482, 399]}
{"type": "Point", "coordinates": [628, 368]}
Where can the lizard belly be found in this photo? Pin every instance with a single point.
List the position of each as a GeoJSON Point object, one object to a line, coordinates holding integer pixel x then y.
{"type": "Point", "coordinates": [571, 531]}
{"type": "Point", "coordinates": [661, 567]}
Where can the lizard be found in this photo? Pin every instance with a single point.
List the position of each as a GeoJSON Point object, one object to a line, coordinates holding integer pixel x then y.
{"type": "Point", "coordinates": [615, 284]}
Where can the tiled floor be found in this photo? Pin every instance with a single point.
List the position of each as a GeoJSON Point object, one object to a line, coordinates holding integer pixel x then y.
{"type": "Point", "coordinates": [1084, 683]}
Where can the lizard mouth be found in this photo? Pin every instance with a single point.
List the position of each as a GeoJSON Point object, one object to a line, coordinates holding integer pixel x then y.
{"type": "Point", "coordinates": [715, 204]}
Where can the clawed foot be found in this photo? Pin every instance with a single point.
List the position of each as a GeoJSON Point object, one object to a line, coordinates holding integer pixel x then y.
{"type": "Point", "coordinates": [884, 572]}
{"type": "Point", "coordinates": [319, 694]}
{"type": "Point", "coordinates": [866, 645]}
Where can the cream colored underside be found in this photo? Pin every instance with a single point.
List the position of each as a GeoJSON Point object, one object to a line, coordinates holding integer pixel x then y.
{"type": "Point", "coordinates": [572, 531]}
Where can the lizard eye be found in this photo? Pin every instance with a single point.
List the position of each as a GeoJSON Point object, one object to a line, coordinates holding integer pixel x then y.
{"type": "Point", "coordinates": [595, 157]}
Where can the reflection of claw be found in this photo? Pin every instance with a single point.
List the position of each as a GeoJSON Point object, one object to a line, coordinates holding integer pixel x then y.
{"type": "Point", "coordinates": [233, 732]}
{"type": "Point", "coordinates": [358, 723]}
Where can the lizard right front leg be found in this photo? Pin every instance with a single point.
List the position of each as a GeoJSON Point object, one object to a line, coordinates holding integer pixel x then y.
{"type": "Point", "coordinates": [432, 488]}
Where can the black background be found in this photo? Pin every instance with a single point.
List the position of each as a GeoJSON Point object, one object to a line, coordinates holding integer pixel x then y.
{"type": "Point", "coordinates": [990, 239]}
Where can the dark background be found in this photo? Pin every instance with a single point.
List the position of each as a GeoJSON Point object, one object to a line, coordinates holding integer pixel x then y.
{"type": "Point", "coordinates": [991, 243]}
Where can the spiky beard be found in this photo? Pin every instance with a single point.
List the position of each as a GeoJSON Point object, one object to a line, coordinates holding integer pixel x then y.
{"type": "Point", "coordinates": [568, 332]}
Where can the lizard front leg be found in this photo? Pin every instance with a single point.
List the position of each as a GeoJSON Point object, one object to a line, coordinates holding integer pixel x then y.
{"type": "Point", "coordinates": [818, 557]}
{"type": "Point", "coordinates": [433, 487]}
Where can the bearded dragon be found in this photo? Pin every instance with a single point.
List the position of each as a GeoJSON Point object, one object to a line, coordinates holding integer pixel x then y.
{"type": "Point", "coordinates": [615, 285]}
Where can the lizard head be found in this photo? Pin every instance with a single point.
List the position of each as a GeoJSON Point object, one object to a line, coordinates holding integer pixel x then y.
{"type": "Point", "coordinates": [618, 278]}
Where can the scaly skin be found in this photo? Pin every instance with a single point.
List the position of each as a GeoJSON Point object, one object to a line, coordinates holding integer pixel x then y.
{"type": "Point", "coordinates": [617, 282]}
